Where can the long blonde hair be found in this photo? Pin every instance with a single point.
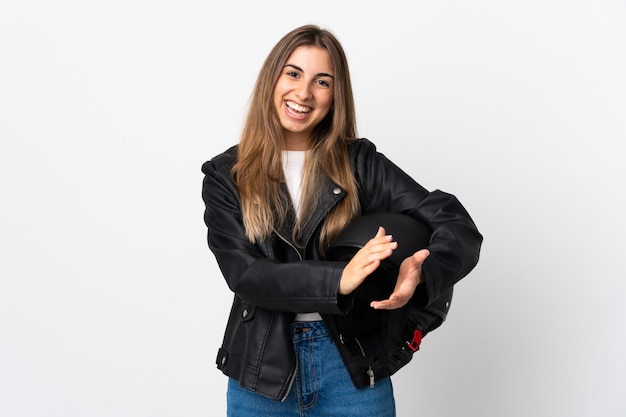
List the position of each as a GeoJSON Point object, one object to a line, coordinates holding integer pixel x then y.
{"type": "Point", "coordinates": [258, 171]}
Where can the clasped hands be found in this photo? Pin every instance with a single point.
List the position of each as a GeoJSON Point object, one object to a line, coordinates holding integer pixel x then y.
{"type": "Point", "coordinates": [368, 259]}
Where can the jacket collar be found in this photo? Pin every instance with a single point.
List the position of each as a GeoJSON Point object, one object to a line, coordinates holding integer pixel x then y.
{"type": "Point", "coordinates": [330, 195]}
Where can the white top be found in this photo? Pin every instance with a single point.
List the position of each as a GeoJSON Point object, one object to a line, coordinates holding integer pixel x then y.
{"type": "Point", "coordinates": [293, 164]}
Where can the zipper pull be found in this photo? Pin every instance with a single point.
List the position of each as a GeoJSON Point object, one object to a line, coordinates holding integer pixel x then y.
{"type": "Point", "coordinates": [371, 374]}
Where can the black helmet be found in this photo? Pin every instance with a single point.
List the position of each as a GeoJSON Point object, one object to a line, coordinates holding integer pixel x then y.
{"type": "Point", "coordinates": [411, 235]}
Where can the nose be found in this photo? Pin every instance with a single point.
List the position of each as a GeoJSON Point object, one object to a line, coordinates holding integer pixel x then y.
{"type": "Point", "coordinates": [303, 91]}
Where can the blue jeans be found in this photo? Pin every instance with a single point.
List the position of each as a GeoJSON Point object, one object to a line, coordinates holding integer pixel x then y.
{"type": "Point", "coordinates": [322, 387]}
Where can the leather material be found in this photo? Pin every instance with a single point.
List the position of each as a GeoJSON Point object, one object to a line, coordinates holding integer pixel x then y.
{"type": "Point", "coordinates": [275, 279]}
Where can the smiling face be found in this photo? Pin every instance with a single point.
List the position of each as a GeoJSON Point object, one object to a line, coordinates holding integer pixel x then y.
{"type": "Point", "coordinates": [303, 95]}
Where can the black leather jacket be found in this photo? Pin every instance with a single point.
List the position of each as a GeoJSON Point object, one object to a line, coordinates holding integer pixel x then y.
{"type": "Point", "coordinates": [275, 279]}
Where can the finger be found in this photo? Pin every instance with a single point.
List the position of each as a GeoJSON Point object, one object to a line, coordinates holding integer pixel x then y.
{"type": "Point", "coordinates": [378, 247]}
{"type": "Point", "coordinates": [421, 255]}
{"type": "Point", "coordinates": [388, 304]}
{"type": "Point", "coordinates": [379, 238]}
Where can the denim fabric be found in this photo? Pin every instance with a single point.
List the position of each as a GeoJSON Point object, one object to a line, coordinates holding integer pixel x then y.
{"type": "Point", "coordinates": [322, 387]}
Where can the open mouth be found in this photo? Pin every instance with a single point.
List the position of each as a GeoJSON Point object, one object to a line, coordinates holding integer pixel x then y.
{"type": "Point", "coordinates": [297, 108]}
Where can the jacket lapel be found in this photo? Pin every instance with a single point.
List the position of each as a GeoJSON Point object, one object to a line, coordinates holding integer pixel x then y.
{"type": "Point", "coordinates": [329, 197]}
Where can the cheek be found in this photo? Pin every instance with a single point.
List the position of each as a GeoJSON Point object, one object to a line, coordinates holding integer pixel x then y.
{"type": "Point", "coordinates": [327, 100]}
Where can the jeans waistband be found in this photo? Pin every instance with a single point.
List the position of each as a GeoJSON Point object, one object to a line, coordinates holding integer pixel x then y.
{"type": "Point", "coordinates": [308, 329]}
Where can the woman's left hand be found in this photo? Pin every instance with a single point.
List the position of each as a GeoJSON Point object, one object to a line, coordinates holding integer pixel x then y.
{"type": "Point", "coordinates": [409, 277]}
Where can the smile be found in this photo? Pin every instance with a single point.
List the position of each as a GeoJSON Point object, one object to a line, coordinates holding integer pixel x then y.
{"type": "Point", "coordinates": [296, 107]}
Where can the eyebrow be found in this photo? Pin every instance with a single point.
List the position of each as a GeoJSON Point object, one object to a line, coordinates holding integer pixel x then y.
{"type": "Point", "coordinates": [321, 74]}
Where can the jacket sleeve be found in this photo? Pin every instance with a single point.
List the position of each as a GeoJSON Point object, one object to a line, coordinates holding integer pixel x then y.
{"type": "Point", "coordinates": [298, 287]}
{"type": "Point", "coordinates": [455, 241]}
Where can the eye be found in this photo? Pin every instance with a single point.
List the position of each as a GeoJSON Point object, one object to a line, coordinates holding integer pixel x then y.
{"type": "Point", "coordinates": [323, 83]}
{"type": "Point", "coordinates": [292, 74]}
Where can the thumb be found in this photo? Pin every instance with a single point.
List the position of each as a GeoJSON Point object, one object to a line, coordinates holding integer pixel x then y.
{"type": "Point", "coordinates": [421, 255]}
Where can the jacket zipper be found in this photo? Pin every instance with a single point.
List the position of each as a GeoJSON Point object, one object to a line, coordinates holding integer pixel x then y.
{"type": "Point", "coordinates": [291, 381]}
{"type": "Point", "coordinates": [291, 245]}
{"type": "Point", "coordinates": [370, 371]}
{"type": "Point", "coordinates": [293, 375]}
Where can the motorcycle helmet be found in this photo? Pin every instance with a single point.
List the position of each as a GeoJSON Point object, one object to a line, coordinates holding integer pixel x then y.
{"type": "Point", "coordinates": [412, 235]}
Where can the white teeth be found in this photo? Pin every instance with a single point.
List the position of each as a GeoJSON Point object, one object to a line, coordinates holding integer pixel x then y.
{"type": "Point", "coordinates": [297, 107]}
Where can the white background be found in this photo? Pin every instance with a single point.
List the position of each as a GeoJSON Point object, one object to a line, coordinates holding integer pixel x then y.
{"type": "Point", "coordinates": [111, 303]}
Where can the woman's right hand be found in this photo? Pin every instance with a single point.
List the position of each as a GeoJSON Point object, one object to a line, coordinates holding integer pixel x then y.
{"type": "Point", "coordinates": [366, 261]}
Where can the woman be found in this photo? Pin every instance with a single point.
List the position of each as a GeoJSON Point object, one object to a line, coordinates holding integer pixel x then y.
{"type": "Point", "coordinates": [275, 202]}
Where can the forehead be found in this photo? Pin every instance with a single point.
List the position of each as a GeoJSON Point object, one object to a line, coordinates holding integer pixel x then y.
{"type": "Point", "coordinates": [311, 59]}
